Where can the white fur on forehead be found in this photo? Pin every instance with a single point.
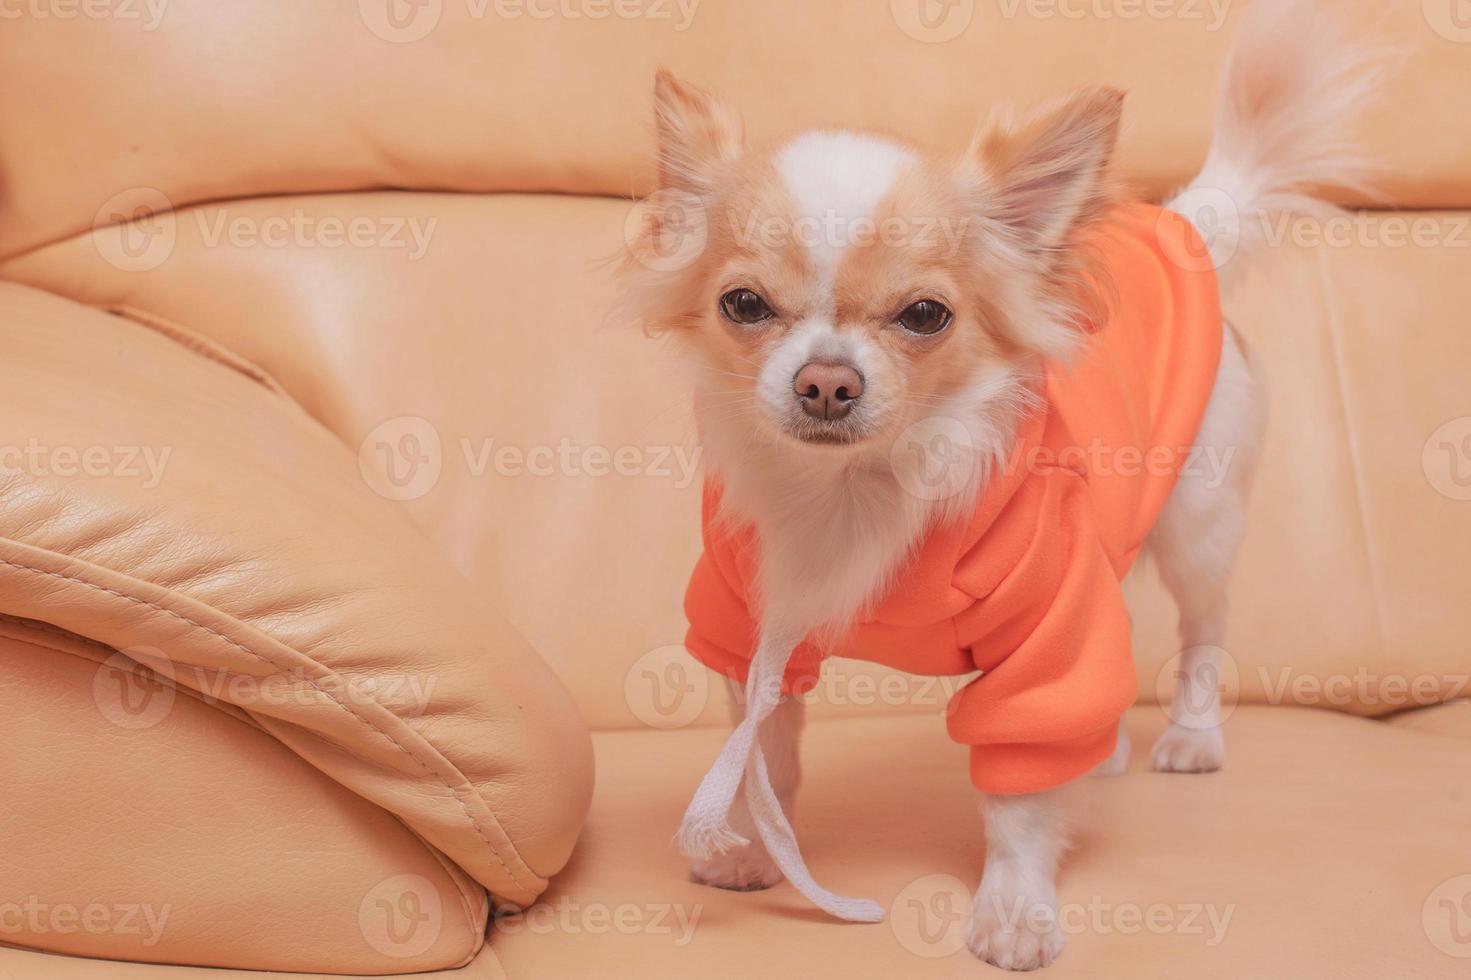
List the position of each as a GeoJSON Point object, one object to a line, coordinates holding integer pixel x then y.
{"type": "Point", "coordinates": [836, 179]}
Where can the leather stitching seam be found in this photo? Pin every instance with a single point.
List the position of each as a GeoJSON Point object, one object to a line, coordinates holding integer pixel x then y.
{"type": "Point", "coordinates": [475, 824]}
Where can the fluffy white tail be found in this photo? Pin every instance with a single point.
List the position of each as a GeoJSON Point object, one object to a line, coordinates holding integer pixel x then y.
{"type": "Point", "coordinates": [1292, 85]}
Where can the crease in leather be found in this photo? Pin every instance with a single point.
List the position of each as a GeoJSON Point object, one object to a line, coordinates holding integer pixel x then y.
{"type": "Point", "coordinates": [1421, 718]}
{"type": "Point", "coordinates": [538, 882]}
{"type": "Point", "coordinates": [471, 905]}
{"type": "Point", "coordinates": [198, 343]}
{"type": "Point", "coordinates": [486, 963]}
{"type": "Point", "coordinates": [1355, 452]}
{"type": "Point", "coordinates": [24, 630]}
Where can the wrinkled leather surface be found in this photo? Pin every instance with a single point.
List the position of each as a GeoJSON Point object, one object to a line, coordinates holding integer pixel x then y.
{"type": "Point", "coordinates": [280, 96]}
{"type": "Point", "coordinates": [256, 563]}
{"type": "Point", "coordinates": [216, 834]}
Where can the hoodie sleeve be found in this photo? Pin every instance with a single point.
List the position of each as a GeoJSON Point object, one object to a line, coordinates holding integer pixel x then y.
{"type": "Point", "coordinates": [1052, 636]}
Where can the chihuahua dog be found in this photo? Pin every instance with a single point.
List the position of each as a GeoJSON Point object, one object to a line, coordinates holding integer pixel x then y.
{"type": "Point", "coordinates": [846, 292]}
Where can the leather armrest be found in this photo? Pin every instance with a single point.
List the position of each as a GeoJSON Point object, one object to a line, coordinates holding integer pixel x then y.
{"type": "Point", "coordinates": [175, 507]}
{"type": "Point", "coordinates": [149, 823]}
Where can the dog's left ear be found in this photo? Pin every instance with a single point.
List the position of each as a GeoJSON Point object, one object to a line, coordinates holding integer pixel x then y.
{"type": "Point", "coordinates": [1046, 176]}
{"type": "Point", "coordinates": [697, 134]}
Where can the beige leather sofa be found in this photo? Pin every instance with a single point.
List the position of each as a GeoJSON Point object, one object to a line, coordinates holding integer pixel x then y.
{"type": "Point", "coordinates": [334, 510]}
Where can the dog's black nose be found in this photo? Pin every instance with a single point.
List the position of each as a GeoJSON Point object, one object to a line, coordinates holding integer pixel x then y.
{"type": "Point", "coordinates": [827, 391]}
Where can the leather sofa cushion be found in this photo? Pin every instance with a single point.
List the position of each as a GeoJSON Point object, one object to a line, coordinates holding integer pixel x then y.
{"type": "Point", "coordinates": [493, 95]}
{"type": "Point", "coordinates": [163, 825]}
{"type": "Point", "coordinates": [250, 560]}
{"type": "Point", "coordinates": [1302, 849]}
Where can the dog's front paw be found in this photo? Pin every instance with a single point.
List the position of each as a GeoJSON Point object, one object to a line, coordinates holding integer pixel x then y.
{"type": "Point", "coordinates": [1014, 925]}
{"type": "Point", "coordinates": [743, 869]}
{"type": "Point", "coordinates": [1184, 749]}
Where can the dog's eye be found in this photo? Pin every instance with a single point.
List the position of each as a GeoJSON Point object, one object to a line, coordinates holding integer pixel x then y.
{"type": "Point", "coordinates": [745, 306]}
{"type": "Point", "coordinates": [927, 317]}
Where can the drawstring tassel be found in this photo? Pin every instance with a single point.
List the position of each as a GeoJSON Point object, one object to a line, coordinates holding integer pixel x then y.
{"type": "Point", "coordinates": [706, 830]}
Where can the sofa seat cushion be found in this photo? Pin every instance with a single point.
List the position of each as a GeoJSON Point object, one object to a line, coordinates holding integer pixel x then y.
{"type": "Point", "coordinates": [1314, 853]}
{"type": "Point", "coordinates": [21, 964]}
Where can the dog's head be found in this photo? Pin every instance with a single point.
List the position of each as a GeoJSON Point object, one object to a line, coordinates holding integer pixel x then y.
{"type": "Point", "coordinates": [840, 286]}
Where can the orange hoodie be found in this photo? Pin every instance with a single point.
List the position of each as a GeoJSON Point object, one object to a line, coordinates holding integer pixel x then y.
{"type": "Point", "coordinates": [1027, 589]}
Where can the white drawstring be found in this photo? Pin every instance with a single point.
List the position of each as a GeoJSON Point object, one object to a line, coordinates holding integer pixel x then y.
{"type": "Point", "coordinates": [706, 830]}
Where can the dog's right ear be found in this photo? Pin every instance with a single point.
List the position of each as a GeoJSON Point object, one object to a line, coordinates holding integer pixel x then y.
{"type": "Point", "coordinates": [697, 134]}
{"type": "Point", "coordinates": [1048, 175]}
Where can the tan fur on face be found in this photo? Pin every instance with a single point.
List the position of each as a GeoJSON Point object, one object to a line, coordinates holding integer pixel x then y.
{"type": "Point", "coordinates": [994, 236]}
{"type": "Point", "coordinates": [938, 257]}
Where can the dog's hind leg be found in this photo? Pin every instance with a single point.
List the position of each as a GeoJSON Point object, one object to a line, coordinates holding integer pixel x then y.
{"type": "Point", "coordinates": [1195, 543]}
